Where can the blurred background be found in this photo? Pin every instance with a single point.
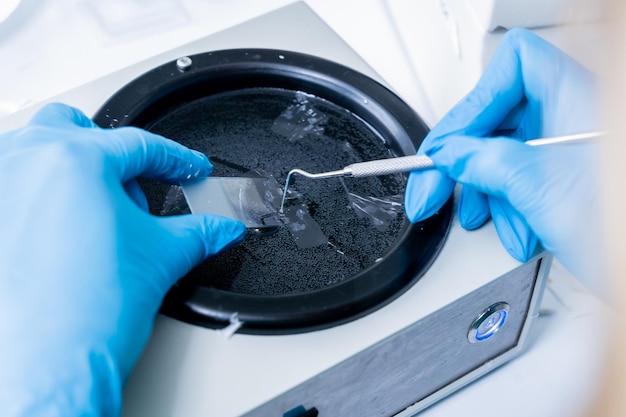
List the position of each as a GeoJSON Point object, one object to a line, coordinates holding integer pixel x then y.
{"type": "Point", "coordinates": [430, 52]}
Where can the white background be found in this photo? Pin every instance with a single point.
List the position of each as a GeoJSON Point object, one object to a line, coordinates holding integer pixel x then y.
{"type": "Point", "coordinates": [50, 46]}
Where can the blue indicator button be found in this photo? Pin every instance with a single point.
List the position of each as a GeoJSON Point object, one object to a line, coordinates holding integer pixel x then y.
{"type": "Point", "coordinates": [488, 322]}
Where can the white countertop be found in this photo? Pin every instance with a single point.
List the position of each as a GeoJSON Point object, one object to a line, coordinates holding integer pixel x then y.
{"type": "Point", "coordinates": [50, 46]}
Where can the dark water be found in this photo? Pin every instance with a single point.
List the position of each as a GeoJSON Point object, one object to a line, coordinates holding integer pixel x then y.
{"type": "Point", "coordinates": [274, 131]}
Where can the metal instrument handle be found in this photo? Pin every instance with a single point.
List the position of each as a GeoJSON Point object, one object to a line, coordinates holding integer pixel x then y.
{"type": "Point", "coordinates": [389, 166]}
{"type": "Point", "coordinates": [417, 162]}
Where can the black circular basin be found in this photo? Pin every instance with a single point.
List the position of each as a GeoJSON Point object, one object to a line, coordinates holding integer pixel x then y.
{"type": "Point", "coordinates": [271, 111]}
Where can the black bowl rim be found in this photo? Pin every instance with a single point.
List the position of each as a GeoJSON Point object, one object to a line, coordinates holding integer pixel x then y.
{"type": "Point", "coordinates": [168, 86]}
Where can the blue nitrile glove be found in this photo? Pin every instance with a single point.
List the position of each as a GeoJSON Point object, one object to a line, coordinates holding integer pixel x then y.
{"type": "Point", "coordinates": [83, 268]}
{"type": "Point", "coordinates": [529, 90]}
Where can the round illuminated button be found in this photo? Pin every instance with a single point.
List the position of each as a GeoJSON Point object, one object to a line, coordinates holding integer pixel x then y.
{"type": "Point", "coordinates": [488, 322]}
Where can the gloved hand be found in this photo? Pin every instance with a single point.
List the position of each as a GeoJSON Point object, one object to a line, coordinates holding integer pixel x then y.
{"type": "Point", "coordinates": [83, 267]}
{"type": "Point", "coordinates": [529, 90]}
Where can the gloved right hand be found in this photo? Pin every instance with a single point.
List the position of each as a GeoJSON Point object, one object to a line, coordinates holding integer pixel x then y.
{"type": "Point", "coordinates": [529, 90]}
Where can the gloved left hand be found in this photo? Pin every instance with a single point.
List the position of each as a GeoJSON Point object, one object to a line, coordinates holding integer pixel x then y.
{"type": "Point", "coordinates": [83, 266]}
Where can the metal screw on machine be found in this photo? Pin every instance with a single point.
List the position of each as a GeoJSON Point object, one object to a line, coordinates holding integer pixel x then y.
{"type": "Point", "coordinates": [488, 322]}
{"type": "Point", "coordinates": [183, 63]}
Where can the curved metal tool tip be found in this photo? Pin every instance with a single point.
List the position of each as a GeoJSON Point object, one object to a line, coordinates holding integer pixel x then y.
{"type": "Point", "coordinates": [293, 171]}
{"type": "Point", "coordinates": [329, 174]}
